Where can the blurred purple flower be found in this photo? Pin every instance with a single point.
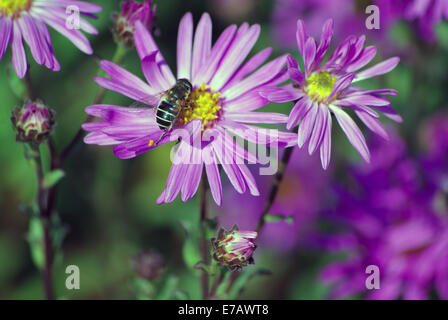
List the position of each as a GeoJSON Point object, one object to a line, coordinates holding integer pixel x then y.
{"type": "Point", "coordinates": [349, 17]}
{"type": "Point", "coordinates": [148, 264]}
{"type": "Point", "coordinates": [225, 93]}
{"type": "Point", "coordinates": [131, 12]}
{"type": "Point", "coordinates": [28, 19]}
{"type": "Point", "coordinates": [434, 136]}
{"type": "Point", "coordinates": [434, 139]}
{"type": "Point", "coordinates": [391, 223]}
{"type": "Point", "coordinates": [301, 196]}
{"type": "Point", "coordinates": [428, 13]}
{"type": "Point", "coordinates": [328, 89]}
{"type": "Point", "coordinates": [314, 13]}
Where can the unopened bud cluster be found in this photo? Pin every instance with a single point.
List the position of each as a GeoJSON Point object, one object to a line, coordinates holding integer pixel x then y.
{"type": "Point", "coordinates": [234, 248]}
{"type": "Point", "coordinates": [33, 122]}
{"type": "Point", "coordinates": [131, 12]}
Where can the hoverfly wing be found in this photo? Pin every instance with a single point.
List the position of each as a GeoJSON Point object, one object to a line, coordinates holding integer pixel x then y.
{"type": "Point", "coordinates": [138, 104]}
{"type": "Point", "coordinates": [151, 101]}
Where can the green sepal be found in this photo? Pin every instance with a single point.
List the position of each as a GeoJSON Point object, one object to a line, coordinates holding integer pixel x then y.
{"type": "Point", "coordinates": [52, 178]}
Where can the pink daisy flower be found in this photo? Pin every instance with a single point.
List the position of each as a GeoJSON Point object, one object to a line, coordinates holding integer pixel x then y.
{"type": "Point", "coordinates": [28, 19]}
{"type": "Point", "coordinates": [329, 89]}
{"type": "Point", "coordinates": [223, 97]}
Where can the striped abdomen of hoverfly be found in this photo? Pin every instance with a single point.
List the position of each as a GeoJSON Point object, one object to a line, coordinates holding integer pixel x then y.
{"type": "Point", "coordinates": [169, 106]}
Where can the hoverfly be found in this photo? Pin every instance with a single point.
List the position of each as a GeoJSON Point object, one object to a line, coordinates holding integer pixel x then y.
{"type": "Point", "coordinates": [170, 105]}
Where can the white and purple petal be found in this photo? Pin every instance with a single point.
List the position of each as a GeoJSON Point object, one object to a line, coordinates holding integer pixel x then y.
{"type": "Point", "coordinates": [352, 132]}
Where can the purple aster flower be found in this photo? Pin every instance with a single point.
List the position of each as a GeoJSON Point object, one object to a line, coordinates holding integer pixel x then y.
{"type": "Point", "coordinates": [390, 222]}
{"type": "Point", "coordinates": [220, 105]}
{"type": "Point", "coordinates": [132, 11]}
{"type": "Point", "coordinates": [300, 197]}
{"type": "Point", "coordinates": [329, 89]}
{"type": "Point", "coordinates": [28, 19]}
{"type": "Point", "coordinates": [234, 248]}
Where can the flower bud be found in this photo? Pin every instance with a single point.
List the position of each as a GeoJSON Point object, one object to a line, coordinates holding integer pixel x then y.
{"type": "Point", "coordinates": [148, 264]}
{"type": "Point", "coordinates": [131, 12]}
{"type": "Point", "coordinates": [33, 122]}
{"type": "Point", "coordinates": [233, 248]}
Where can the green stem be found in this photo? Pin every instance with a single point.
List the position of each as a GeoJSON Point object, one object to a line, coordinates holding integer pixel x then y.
{"type": "Point", "coordinates": [203, 243]}
{"type": "Point", "coordinates": [275, 187]}
{"type": "Point", "coordinates": [216, 282]}
{"type": "Point", "coordinates": [270, 201]}
{"type": "Point", "coordinates": [30, 92]}
{"type": "Point", "coordinates": [45, 216]}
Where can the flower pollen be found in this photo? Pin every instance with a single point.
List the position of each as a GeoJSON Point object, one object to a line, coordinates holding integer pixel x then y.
{"type": "Point", "coordinates": [320, 85]}
{"type": "Point", "coordinates": [205, 105]}
{"type": "Point", "coordinates": [14, 7]}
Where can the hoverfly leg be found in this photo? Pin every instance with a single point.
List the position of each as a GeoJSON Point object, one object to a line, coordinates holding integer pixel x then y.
{"type": "Point", "coordinates": [164, 133]}
{"type": "Point", "coordinates": [161, 137]}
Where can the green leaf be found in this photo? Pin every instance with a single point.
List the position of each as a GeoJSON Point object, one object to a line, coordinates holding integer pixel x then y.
{"type": "Point", "coordinates": [29, 210]}
{"type": "Point", "coordinates": [243, 278]}
{"type": "Point", "coordinates": [18, 87]}
{"type": "Point", "coordinates": [442, 34]}
{"type": "Point", "coordinates": [52, 178]}
{"type": "Point", "coordinates": [143, 288]}
{"type": "Point", "coordinates": [35, 239]}
{"type": "Point", "coordinates": [201, 265]}
{"type": "Point", "coordinates": [58, 234]}
{"type": "Point", "coordinates": [181, 295]}
{"type": "Point", "coordinates": [188, 228]}
{"type": "Point", "coordinates": [168, 289]}
{"type": "Point", "coordinates": [278, 217]}
{"type": "Point", "coordinates": [307, 288]}
{"type": "Point", "coordinates": [225, 282]}
{"type": "Point", "coordinates": [210, 227]}
{"type": "Point", "coordinates": [190, 252]}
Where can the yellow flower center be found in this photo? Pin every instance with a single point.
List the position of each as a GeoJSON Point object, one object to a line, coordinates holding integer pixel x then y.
{"type": "Point", "coordinates": [205, 105]}
{"type": "Point", "coordinates": [320, 85]}
{"type": "Point", "coordinates": [14, 7]}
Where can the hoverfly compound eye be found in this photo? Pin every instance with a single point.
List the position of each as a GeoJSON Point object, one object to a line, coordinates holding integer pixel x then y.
{"type": "Point", "coordinates": [186, 83]}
